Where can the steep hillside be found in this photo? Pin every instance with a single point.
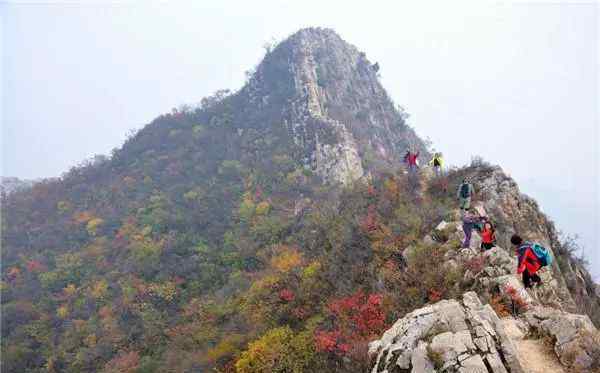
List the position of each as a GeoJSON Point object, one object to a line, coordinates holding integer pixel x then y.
{"type": "Point", "coordinates": [270, 230]}
{"type": "Point", "coordinates": [314, 106]}
{"type": "Point", "coordinates": [191, 209]}
{"type": "Point", "coordinates": [514, 329]}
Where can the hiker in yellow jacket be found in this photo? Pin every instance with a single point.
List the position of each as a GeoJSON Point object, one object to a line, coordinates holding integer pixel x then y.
{"type": "Point", "coordinates": [437, 162]}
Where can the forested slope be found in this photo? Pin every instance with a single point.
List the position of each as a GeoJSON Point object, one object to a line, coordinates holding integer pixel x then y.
{"type": "Point", "coordinates": [265, 230]}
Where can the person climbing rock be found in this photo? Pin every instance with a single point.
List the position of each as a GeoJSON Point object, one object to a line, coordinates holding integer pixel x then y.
{"type": "Point", "coordinates": [470, 219]}
{"type": "Point", "coordinates": [528, 262]}
{"type": "Point", "coordinates": [437, 162]}
{"type": "Point", "coordinates": [488, 236]}
{"type": "Point", "coordinates": [464, 193]}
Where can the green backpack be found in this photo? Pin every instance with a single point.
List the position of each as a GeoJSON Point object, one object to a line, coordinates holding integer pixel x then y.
{"type": "Point", "coordinates": [465, 190]}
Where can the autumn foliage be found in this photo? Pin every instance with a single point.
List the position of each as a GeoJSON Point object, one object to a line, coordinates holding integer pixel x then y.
{"type": "Point", "coordinates": [203, 244]}
{"type": "Point", "coordinates": [355, 319]}
{"type": "Point", "coordinates": [517, 303]}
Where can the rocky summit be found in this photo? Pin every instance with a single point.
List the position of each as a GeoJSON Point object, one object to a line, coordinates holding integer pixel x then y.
{"type": "Point", "coordinates": [276, 229]}
{"type": "Point", "coordinates": [335, 108]}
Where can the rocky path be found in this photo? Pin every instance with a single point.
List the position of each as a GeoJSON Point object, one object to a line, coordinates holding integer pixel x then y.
{"type": "Point", "coordinates": [534, 354]}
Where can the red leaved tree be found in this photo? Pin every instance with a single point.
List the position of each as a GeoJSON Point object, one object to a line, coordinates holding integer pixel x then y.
{"type": "Point", "coordinates": [356, 319]}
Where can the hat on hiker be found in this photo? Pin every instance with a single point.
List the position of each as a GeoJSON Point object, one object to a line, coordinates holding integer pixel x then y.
{"type": "Point", "coordinates": [516, 240]}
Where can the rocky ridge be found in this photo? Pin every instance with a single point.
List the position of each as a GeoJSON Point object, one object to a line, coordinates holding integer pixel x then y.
{"type": "Point", "coordinates": [514, 212]}
{"type": "Point", "coordinates": [337, 111]}
{"type": "Point", "coordinates": [466, 335]}
{"type": "Point", "coordinates": [450, 335]}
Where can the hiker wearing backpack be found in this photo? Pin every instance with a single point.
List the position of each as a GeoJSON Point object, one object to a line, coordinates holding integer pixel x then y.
{"type": "Point", "coordinates": [470, 220]}
{"type": "Point", "coordinates": [464, 193]}
{"type": "Point", "coordinates": [532, 256]}
{"type": "Point", "coordinates": [437, 162]}
{"type": "Point", "coordinates": [488, 236]}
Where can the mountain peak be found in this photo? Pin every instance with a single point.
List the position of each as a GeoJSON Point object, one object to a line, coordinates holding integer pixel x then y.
{"type": "Point", "coordinates": [315, 33]}
{"type": "Point", "coordinates": [333, 104]}
{"type": "Point", "coordinates": [316, 38]}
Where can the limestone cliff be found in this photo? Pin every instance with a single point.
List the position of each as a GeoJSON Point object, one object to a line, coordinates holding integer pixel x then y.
{"type": "Point", "coordinates": [334, 106]}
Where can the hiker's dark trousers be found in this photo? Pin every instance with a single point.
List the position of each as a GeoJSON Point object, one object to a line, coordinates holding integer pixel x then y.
{"type": "Point", "coordinates": [529, 278]}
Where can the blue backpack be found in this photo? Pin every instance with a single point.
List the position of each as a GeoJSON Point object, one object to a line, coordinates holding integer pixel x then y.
{"type": "Point", "coordinates": [540, 252]}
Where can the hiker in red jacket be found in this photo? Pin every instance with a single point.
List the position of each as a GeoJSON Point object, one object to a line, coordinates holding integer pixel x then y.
{"type": "Point", "coordinates": [411, 159]}
{"type": "Point", "coordinates": [488, 236]}
{"type": "Point", "coordinates": [528, 263]}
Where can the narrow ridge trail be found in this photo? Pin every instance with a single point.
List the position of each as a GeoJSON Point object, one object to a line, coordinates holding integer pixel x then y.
{"type": "Point", "coordinates": [534, 354]}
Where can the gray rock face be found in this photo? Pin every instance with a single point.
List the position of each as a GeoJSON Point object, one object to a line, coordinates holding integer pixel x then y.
{"type": "Point", "coordinates": [494, 270]}
{"type": "Point", "coordinates": [577, 344]}
{"type": "Point", "coordinates": [334, 106]}
{"type": "Point", "coordinates": [448, 336]}
{"type": "Point", "coordinates": [573, 288]}
{"type": "Point", "coordinates": [467, 336]}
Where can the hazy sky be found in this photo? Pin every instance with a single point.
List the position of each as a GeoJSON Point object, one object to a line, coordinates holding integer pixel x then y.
{"type": "Point", "coordinates": [514, 82]}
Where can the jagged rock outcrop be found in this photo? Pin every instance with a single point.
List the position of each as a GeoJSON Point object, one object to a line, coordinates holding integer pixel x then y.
{"type": "Point", "coordinates": [334, 107]}
{"type": "Point", "coordinates": [494, 271]}
{"type": "Point", "coordinates": [576, 340]}
{"type": "Point", "coordinates": [467, 336]}
{"type": "Point", "coordinates": [514, 212]}
{"type": "Point", "coordinates": [449, 336]}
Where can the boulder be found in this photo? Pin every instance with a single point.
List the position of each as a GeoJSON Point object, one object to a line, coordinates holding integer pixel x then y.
{"type": "Point", "coordinates": [451, 335]}
{"type": "Point", "coordinates": [576, 340]}
{"type": "Point", "coordinates": [442, 226]}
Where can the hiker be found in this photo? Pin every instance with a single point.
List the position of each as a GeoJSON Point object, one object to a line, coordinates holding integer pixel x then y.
{"type": "Point", "coordinates": [411, 159]}
{"type": "Point", "coordinates": [437, 162]}
{"type": "Point", "coordinates": [529, 263]}
{"type": "Point", "coordinates": [464, 193]}
{"type": "Point", "coordinates": [470, 219]}
{"type": "Point", "coordinates": [488, 236]}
